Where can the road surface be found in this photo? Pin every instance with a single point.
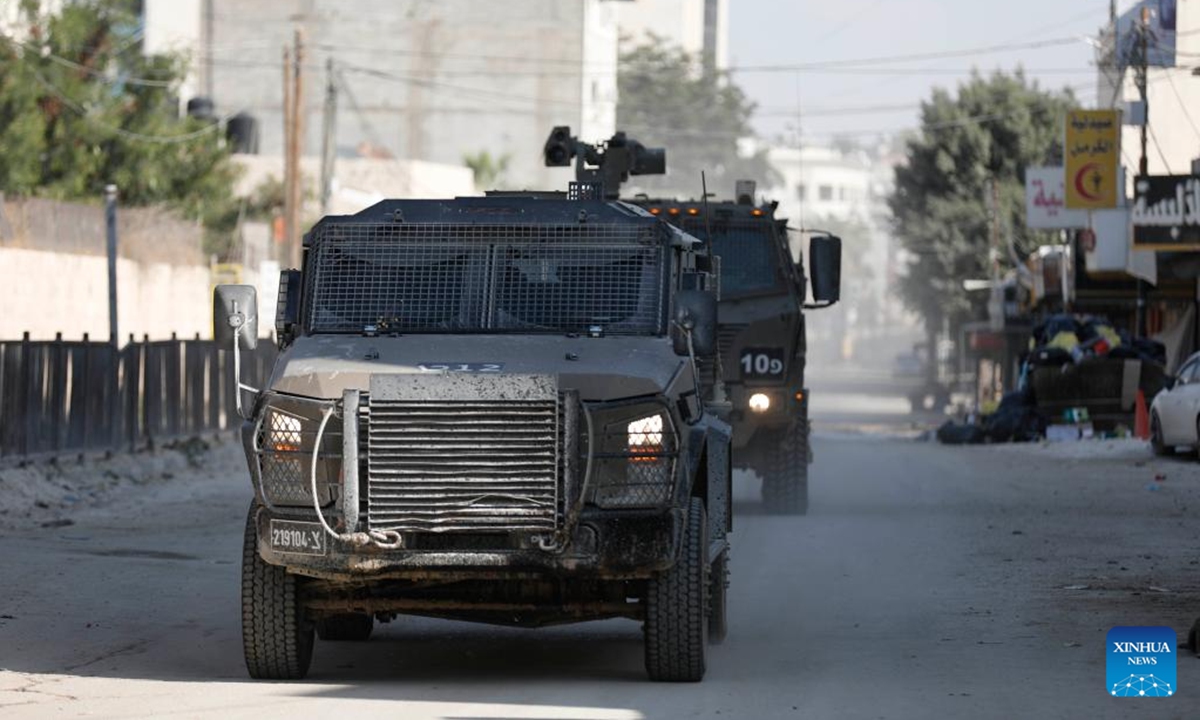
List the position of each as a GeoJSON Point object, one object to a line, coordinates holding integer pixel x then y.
{"type": "Point", "coordinates": [927, 581]}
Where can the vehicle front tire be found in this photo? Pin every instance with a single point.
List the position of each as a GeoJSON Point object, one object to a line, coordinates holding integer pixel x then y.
{"type": "Point", "coordinates": [1156, 438]}
{"type": "Point", "coordinates": [785, 484]}
{"type": "Point", "coordinates": [677, 617]}
{"type": "Point", "coordinates": [349, 627]}
{"type": "Point", "coordinates": [277, 640]}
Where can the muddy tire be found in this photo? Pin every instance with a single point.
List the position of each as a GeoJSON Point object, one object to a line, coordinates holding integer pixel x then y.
{"type": "Point", "coordinates": [277, 640]}
{"type": "Point", "coordinates": [350, 627]}
{"type": "Point", "coordinates": [718, 600]}
{"type": "Point", "coordinates": [1156, 438]}
{"type": "Point", "coordinates": [677, 617]}
{"type": "Point", "coordinates": [785, 483]}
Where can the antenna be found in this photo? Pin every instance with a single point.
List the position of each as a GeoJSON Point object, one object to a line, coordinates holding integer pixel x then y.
{"type": "Point", "coordinates": [707, 219]}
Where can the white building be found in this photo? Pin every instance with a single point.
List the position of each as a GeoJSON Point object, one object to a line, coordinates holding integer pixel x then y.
{"type": "Point", "coordinates": [1173, 92]}
{"type": "Point", "coordinates": [420, 80]}
{"type": "Point", "coordinates": [698, 27]}
{"type": "Point", "coordinates": [819, 184]}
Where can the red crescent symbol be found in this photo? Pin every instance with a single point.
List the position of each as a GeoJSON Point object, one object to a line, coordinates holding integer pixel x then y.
{"type": "Point", "coordinates": [1079, 187]}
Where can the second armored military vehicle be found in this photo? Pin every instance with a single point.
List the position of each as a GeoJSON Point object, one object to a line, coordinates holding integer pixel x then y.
{"type": "Point", "coordinates": [763, 289]}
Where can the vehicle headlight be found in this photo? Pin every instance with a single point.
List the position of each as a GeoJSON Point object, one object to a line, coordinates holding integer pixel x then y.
{"type": "Point", "coordinates": [760, 402]}
{"type": "Point", "coordinates": [283, 432]}
{"type": "Point", "coordinates": [633, 456]}
{"type": "Point", "coordinates": [286, 438]}
{"type": "Point", "coordinates": [645, 438]}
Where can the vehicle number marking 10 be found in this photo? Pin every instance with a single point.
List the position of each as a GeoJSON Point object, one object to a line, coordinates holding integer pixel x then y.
{"type": "Point", "coordinates": [762, 362]}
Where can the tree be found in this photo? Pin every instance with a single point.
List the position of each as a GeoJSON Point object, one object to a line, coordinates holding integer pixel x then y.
{"type": "Point", "coordinates": [81, 107]}
{"type": "Point", "coordinates": [990, 131]}
{"type": "Point", "coordinates": [489, 171]}
{"type": "Point", "coordinates": [668, 98]}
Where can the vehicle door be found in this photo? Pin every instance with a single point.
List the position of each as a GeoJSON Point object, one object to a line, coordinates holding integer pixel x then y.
{"type": "Point", "coordinates": [1178, 422]}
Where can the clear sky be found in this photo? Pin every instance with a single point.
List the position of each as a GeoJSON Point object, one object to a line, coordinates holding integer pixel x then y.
{"type": "Point", "coordinates": [859, 99]}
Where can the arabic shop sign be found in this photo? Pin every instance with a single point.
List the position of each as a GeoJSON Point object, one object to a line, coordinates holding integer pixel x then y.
{"type": "Point", "coordinates": [1093, 151]}
{"type": "Point", "coordinates": [1166, 212]}
{"type": "Point", "coordinates": [1046, 201]}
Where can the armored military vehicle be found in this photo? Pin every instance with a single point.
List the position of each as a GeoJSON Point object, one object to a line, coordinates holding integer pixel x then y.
{"type": "Point", "coordinates": [485, 409]}
{"type": "Point", "coordinates": [762, 290]}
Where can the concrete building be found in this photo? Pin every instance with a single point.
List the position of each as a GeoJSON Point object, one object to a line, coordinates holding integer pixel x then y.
{"type": "Point", "coordinates": [1173, 90]}
{"type": "Point", "coordinates": [416, 79]}
{"type": "Point", "coordinates": [819, 186]}
{"type": "Point", "coordinates": [699, 27]}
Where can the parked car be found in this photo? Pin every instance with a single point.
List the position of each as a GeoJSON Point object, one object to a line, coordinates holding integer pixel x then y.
{"type": "Point", "coordinates": [1175, 411]}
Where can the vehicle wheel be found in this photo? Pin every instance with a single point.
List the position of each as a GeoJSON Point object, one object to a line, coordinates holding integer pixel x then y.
{"type": "Point", "coordinates": [677, 615]}
{"type": "Point", "coordinates": [785, 485]}
{"type": "Point", "coordinates": [349, 627]}
{"type": "Point", "coordinates": [718, 624]}
{"type": "Point", "coordinates": [277, 640]}
{"type": "Point", "coordinates": [1156, 438]}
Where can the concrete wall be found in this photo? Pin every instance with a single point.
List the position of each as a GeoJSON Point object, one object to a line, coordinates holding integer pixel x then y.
{"type": "Point", "coordinates": [359, 183]}
{"type": "Point", "coordinates": [443, 78]}
{"type": "Point", "coordinates": [54, 270]}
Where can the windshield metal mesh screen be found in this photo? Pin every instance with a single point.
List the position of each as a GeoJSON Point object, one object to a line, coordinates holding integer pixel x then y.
{"type": "Point", "coordinates": [749, 259]}
{"type": "Point", "coordinates": [479, 278]}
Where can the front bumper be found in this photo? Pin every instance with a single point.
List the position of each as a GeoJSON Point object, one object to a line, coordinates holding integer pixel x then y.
{"type": "Point", "coordinates": [604, 544]}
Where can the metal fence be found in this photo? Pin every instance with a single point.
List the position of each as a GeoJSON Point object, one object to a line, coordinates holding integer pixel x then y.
{"type": "Point", "coordinates": [60, 396]}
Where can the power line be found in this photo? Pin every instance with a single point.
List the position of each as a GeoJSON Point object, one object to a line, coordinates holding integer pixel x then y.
{"type": "Point", "coordinates": [879, 60]}
{"type": "Point", "coordinates": [119, 131]}
{"type": "Point", "coordinates": [1186, 113]}
{"type": "Point", "coordinates": [1161, 155]}
{"type": "Point", "coordinates": [100, 74]}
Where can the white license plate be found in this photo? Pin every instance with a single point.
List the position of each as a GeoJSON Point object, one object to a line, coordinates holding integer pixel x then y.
{"type": "Point", "coordinates": [301, 538]}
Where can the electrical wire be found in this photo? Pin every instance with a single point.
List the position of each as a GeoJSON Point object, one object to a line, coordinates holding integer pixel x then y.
{"type": "Point", "coordinates": [1186, 113]}
{"type": "Point", "coordinates": [1161, 155]}
{"type": "Point", "coordinates": [119, 131]}
{"type": "Point", "coordinates": [99, 74]}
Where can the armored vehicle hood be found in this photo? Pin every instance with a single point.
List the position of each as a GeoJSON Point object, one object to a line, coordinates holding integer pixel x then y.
{"type": "Point", "coordinates": [606, 368]}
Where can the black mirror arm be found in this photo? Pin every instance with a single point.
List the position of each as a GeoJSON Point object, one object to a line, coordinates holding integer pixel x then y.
{"type": "Point", "coordinates": [819, 306]}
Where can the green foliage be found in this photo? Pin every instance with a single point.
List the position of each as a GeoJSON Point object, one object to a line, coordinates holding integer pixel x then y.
{"type": "Point", "coordinates": [992, 129]}
{"type": "Point", "coordinates": [667, 98]}
{"type": "Point", "coordinates": [81, 107]}
{"type": "Point", "coordinates": [489, 172]}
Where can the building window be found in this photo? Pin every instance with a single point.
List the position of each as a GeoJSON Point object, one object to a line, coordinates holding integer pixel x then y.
{"type": "Point", "coordinates": [825, 192]}
{"type": "Point", "coordinates": [802, 192]}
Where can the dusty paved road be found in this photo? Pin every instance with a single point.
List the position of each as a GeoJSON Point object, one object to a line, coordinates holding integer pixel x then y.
{"type": "Point", "coordinates": [926, 582]}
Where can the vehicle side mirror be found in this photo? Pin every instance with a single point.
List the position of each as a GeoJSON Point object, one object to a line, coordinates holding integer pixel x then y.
{"type": "Point", "coordinates": [695, 312]}
{"type": "Point", "coordinates": [825, 267]}
{"type": "Point", "coordinates": [235, 311]}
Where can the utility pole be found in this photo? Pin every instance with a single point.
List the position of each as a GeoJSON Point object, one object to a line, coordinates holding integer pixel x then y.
{"type": "Point", "coordinates": [294, 146]}
{"type": "Point", "coordinates": [1140, 78]}
{"type": "Point", "coordinates": [110, 222]}
{"type": "Point", "coordinates": [328, 137]}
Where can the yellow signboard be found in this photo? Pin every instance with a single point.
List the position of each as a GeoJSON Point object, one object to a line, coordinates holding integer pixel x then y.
{"type": "Point", "coordinates": [1092, 149]}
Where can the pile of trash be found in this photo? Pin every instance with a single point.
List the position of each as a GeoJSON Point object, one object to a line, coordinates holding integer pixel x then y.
{"type": "Point", "coordinates": [1066, 366]}
{"type": "Point", "coordinates": [1068, 339]}
{"type": "Point", "coordinates": [1016, 419]}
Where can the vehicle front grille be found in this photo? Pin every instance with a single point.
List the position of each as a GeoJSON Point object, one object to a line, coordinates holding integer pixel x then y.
{"type": "Point", "coordinates": [464, 466]}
